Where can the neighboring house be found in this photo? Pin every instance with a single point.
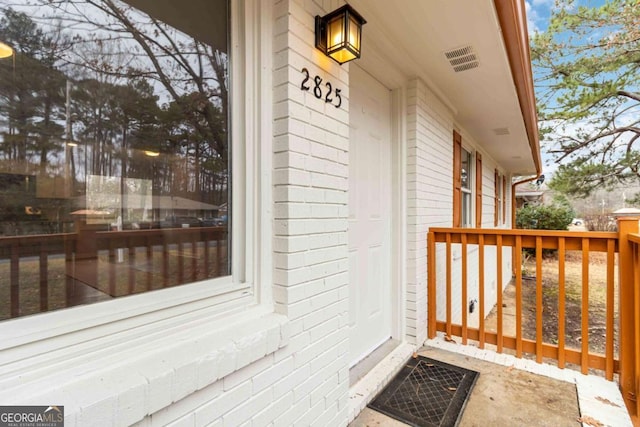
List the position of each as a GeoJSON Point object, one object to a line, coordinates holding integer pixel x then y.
{"type": "Point", "coordinates": [148, 207]}
{"type": "Point", "coordinates": [528, 193]}
{"type": "Point", "coordinates": [337, 173]}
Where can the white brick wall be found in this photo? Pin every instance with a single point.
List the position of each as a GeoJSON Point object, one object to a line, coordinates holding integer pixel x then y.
{"type": "Point", "coordinates": [306, 382]}
{"type": "Point", "coordinates": [430, 201]}
{"type": "Point", "coordinates": [429, 192]}
{"type": "Point", "coordinates": [310, 194]}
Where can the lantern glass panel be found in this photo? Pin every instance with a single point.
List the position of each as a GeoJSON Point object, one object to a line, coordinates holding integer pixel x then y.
{"type": "Point", "coordinates": [354, 34]}
{"type": "Point", "coordinates": [335, 33]}
{"type": "Point", "coordinates": [343, 55]}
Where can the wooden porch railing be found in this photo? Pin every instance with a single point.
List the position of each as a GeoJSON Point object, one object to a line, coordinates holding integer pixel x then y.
{"type": "Point", "coordinates": [625, 245]}
{"type": "Point", "coordinates": [115, 263]}
{"type": "Point", "coordinates": [536, 240]}
{"type": "Point", "coordinates": [37, 248]}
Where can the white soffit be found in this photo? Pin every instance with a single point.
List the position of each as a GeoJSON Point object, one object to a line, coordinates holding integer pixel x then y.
{"type": "Point", "coordinates": [430, 39]}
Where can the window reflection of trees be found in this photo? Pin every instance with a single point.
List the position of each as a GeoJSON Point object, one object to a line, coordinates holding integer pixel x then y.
{"type": "Point", "coordinates": [136, 85]}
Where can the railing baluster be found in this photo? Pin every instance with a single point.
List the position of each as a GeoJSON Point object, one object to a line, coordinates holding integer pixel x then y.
{"type": "Point", "coordinates": [69, 265]}
{"type": "Point", "coordinates": [481, 288]}
{"type": "Point", "coordinates": [112, 267]}
{"type": "Point", "coordinates": [609, 334]}
{"type": "Point", "coordinates": [431, 291]}
{"type": "Point", "coordinates": [44, 279]}
{"type": "Point", "coordinates": [150, 263]}
{"type": "Point", "coordinates": [518, 262]}
{"type": "Point", "coordinates": [194, 258]}
{"type": "Point", "coordinates": [499, 290]}
{"type": "Point", "coordinates": [180, 260]}
{"type": "Point", "coordinates": [463, 284]}
{"type": "Point", "coordinates": [132, 266]}
{"type": "Point", "coordinates": [448, 284]}
{"type": "Point", "coordinates": [165, 263]}
{"type": "Point", "coordinates": [561, 302]}
{"type": "Point", "coordinates": [539, 305]}
{"type": "Point", "coordinates": [585, 306]}
{"type": "Point", "coordinates": [219, 256]}
{"type": "Point", "coordinates": [15, 280]}
{"type": "Point", "coordinates": [219, 242]}
{"type": "Point", "coordinates": [207, 254]}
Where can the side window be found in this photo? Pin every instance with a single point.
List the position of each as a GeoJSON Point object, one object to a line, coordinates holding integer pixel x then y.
{"type": "Point", "coordinates": [500, 202]}
{"type": "Point", "coordinates": [497, 205]}
{"type": "Point", "coordinates": [462, 185]}
{"type": "Point", "coordinates": [504, 199]}
{"type": "Point", "coordinates": [114, 150]}
{"type": "Point", "coordinates": [478, 190]}
{"type": "Point", "coordinates": [465, 176]}
{"type": "Point", "coordinates": [457, 179]}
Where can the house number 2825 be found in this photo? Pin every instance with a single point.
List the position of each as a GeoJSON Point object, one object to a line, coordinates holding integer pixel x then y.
{"type": "Point", "coordinates": [331, 96]}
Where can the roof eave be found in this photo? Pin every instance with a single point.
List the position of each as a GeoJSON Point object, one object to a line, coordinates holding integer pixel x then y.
{"type": "Point", "coordinates": [512, 17]}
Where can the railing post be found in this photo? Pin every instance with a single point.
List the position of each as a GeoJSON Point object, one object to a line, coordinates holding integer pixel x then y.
{"type": "Point", "coordinates": [431, 285]}
{"type": "Point", "coordinates": [627, 225]}
{"type": "Point", "coordinates": [85, 266]}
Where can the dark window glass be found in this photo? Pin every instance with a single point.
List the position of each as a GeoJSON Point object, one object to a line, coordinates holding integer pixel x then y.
{"type": "Point", "coordinates": [114, 149]}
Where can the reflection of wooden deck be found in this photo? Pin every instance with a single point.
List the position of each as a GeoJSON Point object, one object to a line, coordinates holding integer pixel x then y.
{"type": "Point", "coordinates": [114, 263]}
{"type": "Point", "coordinates": [124, 273]}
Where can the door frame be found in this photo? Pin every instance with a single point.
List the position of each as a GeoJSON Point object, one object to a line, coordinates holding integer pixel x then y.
{"type": "Point", "coordinates": [399, 213]}
{"type": "Point", "coordinates": [385, 73]}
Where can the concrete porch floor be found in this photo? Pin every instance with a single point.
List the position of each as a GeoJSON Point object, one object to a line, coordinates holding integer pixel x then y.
{"type": "Point", "coordinates": [519, 392]}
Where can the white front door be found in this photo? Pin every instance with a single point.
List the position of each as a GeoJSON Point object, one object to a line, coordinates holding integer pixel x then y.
{"type": "Point", "coordinates": [370, 183]}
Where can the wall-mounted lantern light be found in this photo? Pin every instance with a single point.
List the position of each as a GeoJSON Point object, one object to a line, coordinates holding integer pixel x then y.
{"type": "Point", "coordinates": [5, 50]}
{"type": "Point", "coordinates": [339, 34]}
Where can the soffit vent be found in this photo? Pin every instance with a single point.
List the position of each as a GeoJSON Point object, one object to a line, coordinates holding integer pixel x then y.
{"type": "Point", "coordinates": [501, 131]}
{"type": "Point", "coordinates": [462, 58]}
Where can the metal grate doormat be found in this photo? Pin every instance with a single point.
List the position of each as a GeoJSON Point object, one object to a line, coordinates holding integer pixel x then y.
{"type": "Point", "coordinates": [427, 393]}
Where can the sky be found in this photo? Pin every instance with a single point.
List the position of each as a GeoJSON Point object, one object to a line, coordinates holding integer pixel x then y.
{"type": "Point", "coordinates": [538, 15]}
{"type": "Point", "coordinates": [538, 12]}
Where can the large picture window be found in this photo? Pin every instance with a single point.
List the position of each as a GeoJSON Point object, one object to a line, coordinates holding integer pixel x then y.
{"type": "Point", "coordinates": [114, 150]}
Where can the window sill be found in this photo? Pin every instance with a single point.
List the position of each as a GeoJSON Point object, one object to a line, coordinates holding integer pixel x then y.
{"type": "Point", "coordinates": [138, 377]}
{"type": "Point", "coordinates": [29, 336]}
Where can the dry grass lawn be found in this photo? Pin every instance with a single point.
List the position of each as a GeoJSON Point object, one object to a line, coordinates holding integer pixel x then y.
{"type": "Point", "coordinates": [597, 298]}
{"type": "Point", "coordinates": [596, 290]}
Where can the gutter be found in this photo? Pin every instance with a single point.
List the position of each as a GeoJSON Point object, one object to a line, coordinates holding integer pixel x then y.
{"type": "Point", "coordinates": [513, 215]}
{"type": "Point", "coordinates": [513, 197]}
{"type": "Point", "coordinates": [513, 23]}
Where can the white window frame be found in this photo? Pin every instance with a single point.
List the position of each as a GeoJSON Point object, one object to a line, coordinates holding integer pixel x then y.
{"type": "Point", "coordinates": [249, 285]}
